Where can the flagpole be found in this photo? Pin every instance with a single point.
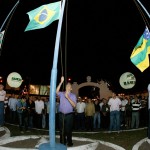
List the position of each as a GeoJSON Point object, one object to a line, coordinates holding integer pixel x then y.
{"type": "Point", "coordinates": [149, 111]}
{"type": "Point", "coordinates": [144, 8]}
{"type": "Point", "coordinates": [9, 15]}
{"type": "Point", "coordinates": [149, 84]}
{"type": "Point", "coordinates": [52, 145]}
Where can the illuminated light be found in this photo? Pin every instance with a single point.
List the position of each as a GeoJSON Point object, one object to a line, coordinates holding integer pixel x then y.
{"type": "Point", "coordinates": [127, 80]}
{"type": "Point", "coordinates": [14, 80]}
{"type": "Point", "coordinates": [69, 79]}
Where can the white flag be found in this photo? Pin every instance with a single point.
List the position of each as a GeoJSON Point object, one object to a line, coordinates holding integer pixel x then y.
{"type": "Point", "coordinates": [1, 38]}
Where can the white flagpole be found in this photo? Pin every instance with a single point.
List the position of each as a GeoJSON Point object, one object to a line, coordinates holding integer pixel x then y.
{"type": "Point", "coordinates": [144, 8]}
{"type": "Point", "coordinates": [9, 15]}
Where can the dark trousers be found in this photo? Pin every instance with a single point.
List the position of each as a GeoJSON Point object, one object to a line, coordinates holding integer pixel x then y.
{"type": "Point", "coordinates": [105, 120]}
{"type": "Point", "coordinates": [149, 124]}
{"type": "Point", "coordinates": [80, 121]}
{"type": "Point", "coordinates": [122, 117]}
{"type": "Point", "coordinates": [57, 121]}
{"type": "Point", "coordinates": [89, 122]}
{"type": "Point", "coordinates": [38, 121]}
{"type": "Point", "coordinates": [13, 115]}
{"type": "Point", "coordinates": [23, 121]}
{"type": "Point", "coordinates": [66, 125]}
{"type": "Point", "coordinates": [47, 120]}
{"type": "Point", "coordinates": [1, 113]}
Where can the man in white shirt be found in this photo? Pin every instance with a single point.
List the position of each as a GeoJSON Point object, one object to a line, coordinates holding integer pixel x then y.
{"type": "Point", "coordinates": [12, 103]}
{"type": "Point", "coordinates": [80, 108]}
{"type": "Point", "coordinates": [39, 107]}
{"type": "Point", "coordinates": [114, 104]}
{"type": "Point", "coordinates": [2, 98]}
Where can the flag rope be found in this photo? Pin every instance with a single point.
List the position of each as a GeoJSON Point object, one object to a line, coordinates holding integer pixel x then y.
{"type": "Point", "coordinates": [65, 53]}
{"type": "Point", "coordinates": [66, 43]}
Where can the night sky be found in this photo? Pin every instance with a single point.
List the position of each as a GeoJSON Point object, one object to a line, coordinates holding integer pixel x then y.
{"type": "Point", "coordinates": [99, 37]}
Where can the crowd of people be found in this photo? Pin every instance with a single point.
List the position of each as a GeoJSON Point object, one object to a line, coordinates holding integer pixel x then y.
{"type": "Point", "coordinates": [112, 114]}
{"type": "Point", "coordinates": [27, 112]}
{"type": "Point", "coordinates": [72, 113]}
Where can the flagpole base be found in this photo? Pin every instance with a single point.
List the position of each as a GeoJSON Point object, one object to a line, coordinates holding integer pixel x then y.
{"type": "Point", "coordinates": [47, 146]}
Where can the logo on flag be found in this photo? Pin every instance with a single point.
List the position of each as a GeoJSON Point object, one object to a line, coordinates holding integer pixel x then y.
{"type": "Point", "coordinates": [44, 15]}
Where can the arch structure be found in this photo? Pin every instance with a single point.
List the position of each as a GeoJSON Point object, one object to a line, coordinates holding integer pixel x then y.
{"type": "Point", "coordinates": [104, 91]}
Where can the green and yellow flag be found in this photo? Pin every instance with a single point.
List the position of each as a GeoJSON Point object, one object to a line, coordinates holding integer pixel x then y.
{"type": "Point", "coordinates": [140, 54]}
{"type": "Point", "coordinates": [43, 16]}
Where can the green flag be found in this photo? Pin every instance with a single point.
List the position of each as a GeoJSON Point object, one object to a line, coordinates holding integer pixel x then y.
{"type": "Point", "coordinates": [140, 54]}
{"type": "Point", "coordinates": [43, 16]}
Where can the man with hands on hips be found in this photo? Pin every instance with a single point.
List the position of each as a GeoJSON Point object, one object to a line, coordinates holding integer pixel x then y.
{"type": "Point", "coordinates": [68, 102]}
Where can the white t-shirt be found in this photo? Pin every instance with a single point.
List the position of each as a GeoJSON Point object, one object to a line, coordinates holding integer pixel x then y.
{"type": "Point", "coordinates": [2, 95]}
{"type": "Point", "coordinates": [114, 104]}
{"type": "Point", "coordinates": [80, 107]}
{"type": "Point", "coordinates": [101, 104]}
{"type": "Point", "coordinates": [124, 102]}
{"type": "Point", "coordinates": [39, 105]}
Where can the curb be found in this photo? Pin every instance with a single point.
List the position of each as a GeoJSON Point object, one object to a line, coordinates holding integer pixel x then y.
{"type": "Point", "coordinates": [138, 144]}
{"type": "Point", "coordinates": [6, 135]}
{"type": "Point", "coordinates": [91, 146]}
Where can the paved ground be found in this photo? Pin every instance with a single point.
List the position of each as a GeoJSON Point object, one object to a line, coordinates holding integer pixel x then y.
{"type": "Point", "coordinates": [144, 146]}
{"type": "Point", "coordinates": [31, 143]}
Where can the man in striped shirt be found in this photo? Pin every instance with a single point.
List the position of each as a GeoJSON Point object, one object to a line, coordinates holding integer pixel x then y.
{"type": "Point", "coordinates": [136, 106]}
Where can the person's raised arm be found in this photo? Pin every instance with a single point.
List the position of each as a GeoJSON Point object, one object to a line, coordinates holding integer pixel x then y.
{"type": "Point", "coordinates": [59, 85]}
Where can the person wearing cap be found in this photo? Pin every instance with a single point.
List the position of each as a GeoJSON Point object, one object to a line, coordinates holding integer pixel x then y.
{"type": "Point", "coordinates": [2, 98]}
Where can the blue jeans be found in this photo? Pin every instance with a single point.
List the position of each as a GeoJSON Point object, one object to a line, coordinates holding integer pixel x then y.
{"type": "Point", "coordinates": [114, 120]}
{"type": "Point", "coordinates": [23, 121]}
{"type": "Point", "coordinates": [97, 120]}
{"type": "Point", "coordinates": [43, 121]}
{"type": "Point", "coordinates": [1, 113]}
{"type": "Point", "coordinates": [30, 121]}
{"type": "Point", "coordinates": [135, 120]}
{"type": "Point", "coordinates": [20, 118]}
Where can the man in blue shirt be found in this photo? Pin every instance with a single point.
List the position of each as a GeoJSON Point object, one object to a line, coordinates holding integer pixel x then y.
{"type": "Point", "coordinates": [68, 102]}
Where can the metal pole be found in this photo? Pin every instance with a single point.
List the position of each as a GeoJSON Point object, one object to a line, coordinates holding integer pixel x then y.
{"type": "Point", "coordinates": [52, 145]}
{"type": "Point", "coordinates": [144, 8]}
{"type": "Point", "coordinates": [149, 111]}
{"type": "Point", "coordinates": [9, 15]}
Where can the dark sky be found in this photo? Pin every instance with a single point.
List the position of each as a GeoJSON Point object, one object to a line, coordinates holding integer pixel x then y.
{"type": "Point", "coordinates": [99, 35]}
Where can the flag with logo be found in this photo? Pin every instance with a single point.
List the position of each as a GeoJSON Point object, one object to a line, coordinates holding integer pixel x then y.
{"type": "Point", "coordinates": [43, 16]}
{"type": "Point", "coordinates": [140, 54]}
{"type": "Point", "coordinates": [1, 38]}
